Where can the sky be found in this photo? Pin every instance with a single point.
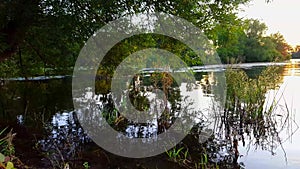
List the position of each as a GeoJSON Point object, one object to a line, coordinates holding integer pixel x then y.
{"type": "Point", "coordinates": [280, 16]}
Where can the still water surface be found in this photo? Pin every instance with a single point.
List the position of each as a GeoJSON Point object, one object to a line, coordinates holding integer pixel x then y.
{"type": "Point", "coordinates": [287, 155]}
{"type": "Point", "coordinates": [41, 112]}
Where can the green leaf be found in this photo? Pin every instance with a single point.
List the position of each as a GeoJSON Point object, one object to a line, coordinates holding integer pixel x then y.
{"type": "Point", "coordinates": [2, 131]}
{"type": "Point", "coordinates": [10, 165]}
{"type": "Point", "coordinates": [178, 151]}
{"type": "Point", "coordinates": [205, 159]}
{"type": "Point", "coordinates": [2, 158]}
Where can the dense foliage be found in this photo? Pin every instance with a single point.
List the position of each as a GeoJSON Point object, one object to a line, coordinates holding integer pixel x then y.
{"type": "Point", "coordinates": [45, 36]}
{"type": "Point", "coordinates": [246, 41]}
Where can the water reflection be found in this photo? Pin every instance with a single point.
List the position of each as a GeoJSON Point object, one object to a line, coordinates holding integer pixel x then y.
{"type": "Point", "coordinates": [40, 112]}
{"type": "Point", "coordinates": [280, 148]}
{"type": "Point", "coordinates": [64, 141]}
{"type": "Point", "coordinates": [291, 70]}
{"type": "Point", "coordinates": [172, 116]}
{"type": "Point", "coordinates": [45, 110]}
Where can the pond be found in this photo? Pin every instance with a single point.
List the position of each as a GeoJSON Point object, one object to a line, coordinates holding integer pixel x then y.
{"type": "Point", "coordinates": [42, 114]}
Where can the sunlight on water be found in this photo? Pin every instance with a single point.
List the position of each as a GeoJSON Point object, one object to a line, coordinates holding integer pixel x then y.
{"type": "Point", "coordinates": [48, 109]}
{"type": "Point", "coordinates": [287, 96]}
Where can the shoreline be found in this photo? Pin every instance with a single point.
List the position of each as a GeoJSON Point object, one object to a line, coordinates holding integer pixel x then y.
{"type": "Point", "coordinates": [204, 68]}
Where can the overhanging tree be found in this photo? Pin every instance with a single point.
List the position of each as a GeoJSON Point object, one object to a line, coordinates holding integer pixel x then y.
{"type": "Point", "coordinates": [52, 32]}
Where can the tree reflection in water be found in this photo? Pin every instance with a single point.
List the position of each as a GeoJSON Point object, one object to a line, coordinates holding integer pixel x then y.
{"type": "Point", "coordinates": [251, 118]}
{"type": "Point", "coordinates": [248, 119]}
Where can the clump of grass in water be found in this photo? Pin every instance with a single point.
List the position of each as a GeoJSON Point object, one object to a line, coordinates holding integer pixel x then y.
{"type": "Point", "coordinates": [245, 113]}
{"type": "Point", "coordinates": [246, 110]}
{"type": "Point", "coordinates": [247, 96]}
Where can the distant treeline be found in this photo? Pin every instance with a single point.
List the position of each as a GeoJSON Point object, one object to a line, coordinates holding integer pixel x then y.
{"type": "Point", "coordinates": [45, 36]}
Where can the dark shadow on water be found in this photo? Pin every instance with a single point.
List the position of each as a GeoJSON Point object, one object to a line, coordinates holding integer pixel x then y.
{"type": "Point", "coordinates": [50, 136]}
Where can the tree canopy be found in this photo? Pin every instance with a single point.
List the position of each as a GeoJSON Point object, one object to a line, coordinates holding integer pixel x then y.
{"type": "Point", "coordinates": [246, 41]}
{"type": "Point", "coordinates": [48, 34]}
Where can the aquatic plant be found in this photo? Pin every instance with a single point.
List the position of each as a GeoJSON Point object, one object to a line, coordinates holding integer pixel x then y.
{"type": "Point", "coordinates": [7, 150]}
{"type": "Point", "coordinates": [248, 112]}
